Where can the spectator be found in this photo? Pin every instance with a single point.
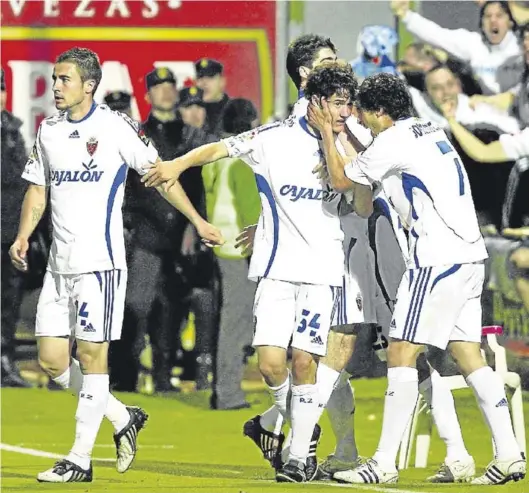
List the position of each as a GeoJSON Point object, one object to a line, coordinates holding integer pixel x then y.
{"type": "Point", "coordinates": [485, 51]}
{"type": "Point", "coordinates": [119, 101]}
{"type": "Point", "coordinates": [161, 236]}
{"type": "Point", "coordinates": [443, 85]}
{"type": "Point", "coordinates": [232, 204]}
{"type": "Point", "coordinates": [420, 58]}
{"type": "Point", "coordinates": [210, 78]}
{"type": "Point", "coordinates": [517, 99]}
{"type": "Point", "coordinates": [13, 188]}
{"type": "Point", "coordinates": [192, 107]}
{"type": "Point", "coordinates": [507, 148]}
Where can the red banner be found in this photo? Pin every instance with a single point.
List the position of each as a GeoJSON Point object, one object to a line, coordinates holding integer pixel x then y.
{"type": "Point", "coordinates": [132, 37]}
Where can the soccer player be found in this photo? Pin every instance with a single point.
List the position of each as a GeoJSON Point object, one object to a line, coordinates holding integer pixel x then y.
{"type": "Point", "coordinates": [438, 301]}
{"type": "Point", "coordinates": [298, 256]}
{"type": "Point", "coordinates": [81, 156]}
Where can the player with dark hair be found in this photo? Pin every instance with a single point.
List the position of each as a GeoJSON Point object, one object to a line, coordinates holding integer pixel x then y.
{"type": "Point", "coordinates": [438, 300]}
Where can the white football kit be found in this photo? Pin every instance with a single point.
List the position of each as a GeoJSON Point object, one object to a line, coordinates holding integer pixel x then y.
{"type": "Point", "coordinates": [422, 176]}
{"type": "Point", "coordinates": [516, 146]}
{"type": "Point", "coordinates": [85, 163]}
{"type": "Point", "coordinates": [357, 302]}
{"type": "Point", "coordinates": [297, 256]}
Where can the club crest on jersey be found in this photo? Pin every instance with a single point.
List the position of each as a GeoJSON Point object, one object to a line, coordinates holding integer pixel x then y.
{"type": "Point", "coordinates": [296, 193]}
{"type": "Point", "coordinates": [90, 174]}
{"type": "Point", "coordinates": [91, 146]}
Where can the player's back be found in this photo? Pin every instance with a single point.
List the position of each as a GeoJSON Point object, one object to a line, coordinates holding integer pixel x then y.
{"type": "Point", "coordinates": [432, 193]}
{"type": "Point", "coordinates": [299, 238]}
{"type": "Point", "coordinates": [84, 166]}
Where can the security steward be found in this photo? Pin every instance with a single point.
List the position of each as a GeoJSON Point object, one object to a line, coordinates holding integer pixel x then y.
{"type": "Point", "coordinates": [158, 231]}
{"type": "Point", "coordinates": [210, 78]}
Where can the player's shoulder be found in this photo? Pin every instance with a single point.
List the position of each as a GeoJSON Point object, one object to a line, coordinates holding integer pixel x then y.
{"type": "Point", "coordinates": [51, 122]}
{"type": "Point", "coordinates": [267, 131]}
{"type": "Point", "coordinates": [116, 117]}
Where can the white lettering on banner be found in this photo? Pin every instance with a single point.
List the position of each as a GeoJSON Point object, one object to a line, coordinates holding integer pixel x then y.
{"type": "Point", "coordinates": [17, 6]}
{"type": "Point", "coordinates": [150, 10]}
{"type": "Point", "coordinates": [51, 8]}
{"type": "Point", "coordinates": [87, 8]}
{"type": "Point", "coordinates": [26, 103]}
{"type": "Point", "coordinates": [83, 11]}
{"type": "Point", "coordinates": [118, 5]}
{"type": "Point", "coordinates": [30, 106]}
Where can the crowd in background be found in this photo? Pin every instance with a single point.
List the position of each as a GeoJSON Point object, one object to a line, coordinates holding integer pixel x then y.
{"type": "Point", "coordinates": [174, 281]}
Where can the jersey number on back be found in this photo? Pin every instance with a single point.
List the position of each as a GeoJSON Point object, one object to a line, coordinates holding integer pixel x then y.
{"type": "Point", "coordinates": [445, 148]}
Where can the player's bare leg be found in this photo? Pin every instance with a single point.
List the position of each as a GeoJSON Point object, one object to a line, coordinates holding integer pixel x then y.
{"type": "Point", "coordinates": [508, 464]}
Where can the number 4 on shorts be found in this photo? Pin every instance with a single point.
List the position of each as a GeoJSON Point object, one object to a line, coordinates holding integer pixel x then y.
{"type": "Point", "coordinates": [313, 324]}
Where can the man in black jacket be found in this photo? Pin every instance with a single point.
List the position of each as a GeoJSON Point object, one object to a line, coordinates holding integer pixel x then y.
{"type": "Point", "coordinates": [161, 235]}
{"type": "Point", "coordinates": [210, 78]}
{"type": "Point", "coordinates": [13, 188]}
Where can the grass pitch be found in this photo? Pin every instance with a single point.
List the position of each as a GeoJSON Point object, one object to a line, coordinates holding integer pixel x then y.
{"type": "Point", "coordinates": [188, 448]}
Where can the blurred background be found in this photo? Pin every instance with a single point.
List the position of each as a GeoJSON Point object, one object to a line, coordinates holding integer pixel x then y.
{"type": "Point", "coordinates": [195, 71]}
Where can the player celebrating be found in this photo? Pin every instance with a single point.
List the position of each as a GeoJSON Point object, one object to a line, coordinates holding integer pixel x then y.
{"type": "Point", "coordinates": [439, 295]}
{"type": "Point", "coordinates": [297, 228]}
{"type": "Point", "coordinates": [81, 155]}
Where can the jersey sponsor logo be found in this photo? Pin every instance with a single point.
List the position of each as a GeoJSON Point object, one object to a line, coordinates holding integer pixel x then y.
{"type": "Point", "coordinates": [90, 174]}
{"type": "Point", "coordinates": [296, 193]}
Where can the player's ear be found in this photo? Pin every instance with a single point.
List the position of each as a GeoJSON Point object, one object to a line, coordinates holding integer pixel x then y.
{"type": "Point", "coordinates": [89, 86]}
{"type": "Point", "coordinates": [304, 72]}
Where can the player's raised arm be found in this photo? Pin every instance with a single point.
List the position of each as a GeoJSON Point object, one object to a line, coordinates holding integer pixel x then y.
{"type": "Point", "coordinates": [168, 172]}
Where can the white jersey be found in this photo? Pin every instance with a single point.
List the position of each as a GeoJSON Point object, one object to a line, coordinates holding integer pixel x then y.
{"type": "Point", "coordinates": [298, 238]}
{"type": "Point", "coordinates": [426, 183]}
{"type": "Point", "coordinates": [516, 146]}
{"type": "Point", "coordinates": [85, 165]}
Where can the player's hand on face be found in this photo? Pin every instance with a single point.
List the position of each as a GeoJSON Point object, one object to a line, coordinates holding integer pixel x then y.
{"type": "Point", "coordinates": [400, 7]}
{"type": "Point", "coordinates": [475, 100]}
{"type": "Point", "coordinates": [318, 114]}
{"type": "Point", "coordinates": [448, 108]}
{"type": "Point", "coordinates": [211, 235]}
{"type": "Point", "coordinates": [162, 172]}
{"type": "Point", "coordinates": [18, 252]}
{"type": "Point", "coordinates": [246, 238]}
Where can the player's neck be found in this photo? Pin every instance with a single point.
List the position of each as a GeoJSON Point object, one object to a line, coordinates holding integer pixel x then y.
{"type": "Point", "coordinates": [164, 116]}
{"type": "Point", "coordinates": [79, 111]}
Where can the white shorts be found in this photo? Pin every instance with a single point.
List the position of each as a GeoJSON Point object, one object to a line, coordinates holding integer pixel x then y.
{"type": "Point", "coordinates": [88, 306]}
{"type": "Point", "coordinates": [359, 286]}
{"type": "Point", "coordinates": [303, 312]}
{"type": "Point", "coordinates": [436, 305]}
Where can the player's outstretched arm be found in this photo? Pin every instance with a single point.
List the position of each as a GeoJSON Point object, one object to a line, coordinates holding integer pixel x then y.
{"type": "Point", "coordinates": [168, 172]}
{"type": "Point", "coordinates": [33, 208]}
{"type": "Point", "coordinates": [177, 197]}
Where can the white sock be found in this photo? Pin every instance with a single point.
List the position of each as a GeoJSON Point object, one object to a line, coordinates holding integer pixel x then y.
{"type": "Point", "coordinates": [400, 401]}
{"type": "Point", "coordinates": [72, 379]}
{"type": "Point", "coordinates": [93, 400]}
{"type": "Point", "coordinates": [441, 401]}
{"type": "Point", "coordinates": [281, 405]}
{"type": "Point", "coordinates": [326, 379]}
{"type": "Point", "coordinates": [306, 412]}
{"type": "Point", "coordinates": [341, 408]}
{"type": "Point", "coordinates": [490, 393]}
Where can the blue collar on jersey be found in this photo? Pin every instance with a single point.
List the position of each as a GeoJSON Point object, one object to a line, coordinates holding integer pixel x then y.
{"type": "Point", "coordinates": [305, 126]}
{"type": "Point", "coordinates": [301, 94]}
{"type": "Point", "coordinates": [92, 109]}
